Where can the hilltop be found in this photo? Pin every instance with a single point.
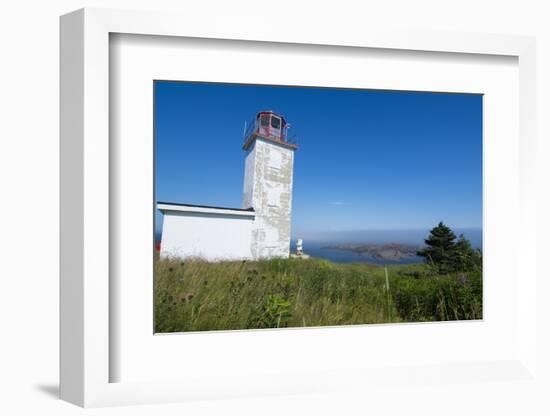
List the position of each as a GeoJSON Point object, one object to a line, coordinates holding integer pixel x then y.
{"type": "Point", "coordinates": [391, 251]}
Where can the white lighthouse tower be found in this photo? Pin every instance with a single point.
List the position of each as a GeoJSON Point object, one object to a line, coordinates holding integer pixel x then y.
{"type": "Point", "coordinates": [268, 184]}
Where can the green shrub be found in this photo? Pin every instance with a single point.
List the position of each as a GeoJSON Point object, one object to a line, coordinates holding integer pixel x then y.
{"type": "Point", "coordinates": [439, 298]}
{"type": "Point", "coordinates": [274, 312]}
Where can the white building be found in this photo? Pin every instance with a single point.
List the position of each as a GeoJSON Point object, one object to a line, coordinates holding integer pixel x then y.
{"type": "Point", "coordinates": [261, 228]}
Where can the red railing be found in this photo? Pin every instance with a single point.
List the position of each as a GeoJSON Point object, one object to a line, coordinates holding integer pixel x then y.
{"type": "Point", "coordinates": [253, 127]}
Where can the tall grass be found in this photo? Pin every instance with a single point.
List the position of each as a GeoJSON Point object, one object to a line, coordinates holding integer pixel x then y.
{"type": "Point", "coordinates": [195, 295]}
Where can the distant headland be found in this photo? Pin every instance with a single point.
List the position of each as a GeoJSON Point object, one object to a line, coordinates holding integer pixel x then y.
{"type": "Point", "coordinates": [389, 251]}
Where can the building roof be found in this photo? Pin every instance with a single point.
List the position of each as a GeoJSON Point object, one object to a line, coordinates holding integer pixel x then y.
{"type": "Point", "coordinates": [206, 209]}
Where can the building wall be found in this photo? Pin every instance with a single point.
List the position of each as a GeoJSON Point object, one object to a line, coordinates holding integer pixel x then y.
{"type": "Point", "coordinates": [212, 237]}
{"type": "Point", "coordinates": [268, 189]}
{"type": "Point", "coordinates": [248, 188]}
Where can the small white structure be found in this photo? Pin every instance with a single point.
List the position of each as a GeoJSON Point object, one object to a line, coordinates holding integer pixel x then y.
{"type": "Point", "coordinates": [299, 247]}
{"type": "Point", "coordinates": [300, 250]}
{"type": "Point", "coordinates": [261, 228]}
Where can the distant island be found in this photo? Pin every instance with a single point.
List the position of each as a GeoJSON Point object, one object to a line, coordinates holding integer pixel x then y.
{"type": "Point", "coordinates": [390, 251]}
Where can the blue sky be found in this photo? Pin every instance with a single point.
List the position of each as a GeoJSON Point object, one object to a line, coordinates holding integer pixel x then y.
{"type": "Point", "coordinates": [367, 159]}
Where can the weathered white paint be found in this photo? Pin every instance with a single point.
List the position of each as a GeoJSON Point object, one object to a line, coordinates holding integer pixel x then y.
{"type": "Point", "coordinates": [268, 189]}
{"type": "Point", "coordinates": [213, 236]}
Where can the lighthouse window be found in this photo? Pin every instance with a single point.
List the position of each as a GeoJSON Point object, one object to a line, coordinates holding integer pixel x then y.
{"type": "Point", "coordinates": [276, 123]}
{"type": "Point", "coordinates": [264, 120]}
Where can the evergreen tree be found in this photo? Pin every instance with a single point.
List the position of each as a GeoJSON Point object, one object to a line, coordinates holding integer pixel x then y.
{"type": "Point", "coordinates": [463, 256]}
{"type": "Point", "coordinates": [439, 250]}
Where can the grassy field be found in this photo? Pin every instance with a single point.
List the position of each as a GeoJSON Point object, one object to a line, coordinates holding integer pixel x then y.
{"type": "Point", "coordinates": [200, 296]}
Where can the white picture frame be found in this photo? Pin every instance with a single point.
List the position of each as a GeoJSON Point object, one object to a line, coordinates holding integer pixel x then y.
{"type": "Point", "coordinates": [86, 334]}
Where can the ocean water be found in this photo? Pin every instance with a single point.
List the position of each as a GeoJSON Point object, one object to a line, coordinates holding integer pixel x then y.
{"type": "Point", "coordinates": [317, 247]}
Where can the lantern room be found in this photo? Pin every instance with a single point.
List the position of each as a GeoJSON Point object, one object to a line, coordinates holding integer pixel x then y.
{"type": "Point", "coordinates": [271, 125]}
{"type": "Point", "coordinates": [268, 125]}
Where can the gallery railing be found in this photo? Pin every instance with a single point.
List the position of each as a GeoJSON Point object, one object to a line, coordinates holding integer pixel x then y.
{"type": "Point", "coordinates": [252, 127]}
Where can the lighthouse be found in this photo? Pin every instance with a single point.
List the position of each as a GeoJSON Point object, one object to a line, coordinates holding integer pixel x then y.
{"type": "Point", "coordinates": [260, 228]}
{"type": "Point", "coordinates": [268, 175]}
